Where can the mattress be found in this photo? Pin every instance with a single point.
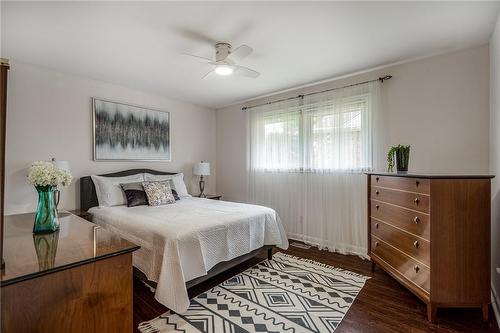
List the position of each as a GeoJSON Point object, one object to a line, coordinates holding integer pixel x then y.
{"type": "Point", "coordinates": [182, 241]}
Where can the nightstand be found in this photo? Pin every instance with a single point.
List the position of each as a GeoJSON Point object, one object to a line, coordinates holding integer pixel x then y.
{"type": "Point", "coordinates": [213, 196]}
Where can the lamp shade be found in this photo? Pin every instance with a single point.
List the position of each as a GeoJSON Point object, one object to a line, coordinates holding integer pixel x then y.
{"type": "Point", "coordinates": [63, 165]}
{"type": "Point", "coordinates": [201, 169]}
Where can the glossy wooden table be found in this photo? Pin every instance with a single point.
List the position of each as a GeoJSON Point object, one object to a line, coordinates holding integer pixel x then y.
{"type": "Point", "coordinates": [78, 279]}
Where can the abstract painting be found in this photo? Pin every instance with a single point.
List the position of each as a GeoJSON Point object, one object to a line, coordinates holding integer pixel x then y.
{"type": "Point", "coordinates": [128, 132]}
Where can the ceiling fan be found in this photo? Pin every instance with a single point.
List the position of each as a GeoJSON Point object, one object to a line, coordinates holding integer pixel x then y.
{"type": "Point", "coordinates": [225, 61]}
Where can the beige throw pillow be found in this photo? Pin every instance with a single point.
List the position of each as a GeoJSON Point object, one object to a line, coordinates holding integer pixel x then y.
{"type": "Point", "coordinates": [158, 193]}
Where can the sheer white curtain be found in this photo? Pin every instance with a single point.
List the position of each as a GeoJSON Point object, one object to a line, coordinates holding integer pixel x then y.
{"type": "Point", "coordinates": [306, 160]}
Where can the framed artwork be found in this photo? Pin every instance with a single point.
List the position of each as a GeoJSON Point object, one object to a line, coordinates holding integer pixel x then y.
{"type": "Point", "coordinates": [124, 132]}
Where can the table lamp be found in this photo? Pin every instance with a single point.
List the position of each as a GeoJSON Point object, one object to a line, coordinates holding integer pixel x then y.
{"type": "Point", "coordinates": [201, 169]}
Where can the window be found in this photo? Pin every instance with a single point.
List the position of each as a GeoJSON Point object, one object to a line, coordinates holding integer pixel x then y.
{"type": "Point", "coordinates": [335, 139]}
{"type": "Point", "coordinates": [281, 147]}
{"type": "Point", "coordinates": [320, 133]}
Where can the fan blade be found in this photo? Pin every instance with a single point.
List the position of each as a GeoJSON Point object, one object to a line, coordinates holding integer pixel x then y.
{"type": "Point", "coordinates": [245, 71]}
{"type": "Point", "coordinates": [241, 51]}
{"type": "Point", "coordinates": [208, 75]}
{"type": "Point", "coordinates": [195, 35]}
{"type": "Point", "coordinates": [198, 57]}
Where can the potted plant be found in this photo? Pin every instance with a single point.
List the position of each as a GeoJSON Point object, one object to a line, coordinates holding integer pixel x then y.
{"type": "Point", "coordinates": [45, 176]}
{"type": "Point", "coordinates": [400, 156]}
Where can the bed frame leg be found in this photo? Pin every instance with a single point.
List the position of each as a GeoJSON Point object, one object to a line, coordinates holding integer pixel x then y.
{"type": "Point", "coordinates": [270, 253]}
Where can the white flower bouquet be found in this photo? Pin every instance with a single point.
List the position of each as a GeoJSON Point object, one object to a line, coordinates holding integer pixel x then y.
{"type": "Point", "coordinates": [43, 173]}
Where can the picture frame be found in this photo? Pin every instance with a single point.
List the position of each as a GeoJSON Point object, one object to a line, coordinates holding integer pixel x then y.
{"type": "Point", "coordinates": [127, 132]}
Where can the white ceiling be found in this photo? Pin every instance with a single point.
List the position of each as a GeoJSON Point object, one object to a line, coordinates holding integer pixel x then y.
{"type": "Point", "coordinates": [139, 44]}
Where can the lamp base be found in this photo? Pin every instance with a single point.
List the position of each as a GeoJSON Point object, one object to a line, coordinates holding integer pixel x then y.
{"type": "Point", "coordinates": [202, 187]}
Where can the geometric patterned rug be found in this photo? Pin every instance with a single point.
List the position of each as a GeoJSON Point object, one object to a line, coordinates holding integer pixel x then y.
{"type": "Point", "coordinates": [286, 294]}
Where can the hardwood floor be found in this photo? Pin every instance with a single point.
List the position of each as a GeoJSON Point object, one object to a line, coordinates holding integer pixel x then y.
{"type": "Point", "coordinates": [382, 305]}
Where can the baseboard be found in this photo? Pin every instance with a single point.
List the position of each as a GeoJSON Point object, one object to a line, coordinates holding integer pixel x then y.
{"type": "Point", "coordinates": [495, 303]}
{"type": "Point", "coordinates": [322, 245]}
{"type": "Point", "coordinates": [300, 245]}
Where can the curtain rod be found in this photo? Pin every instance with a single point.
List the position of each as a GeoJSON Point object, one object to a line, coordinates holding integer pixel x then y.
{"type": "Point", "coordinates": [381, 79]}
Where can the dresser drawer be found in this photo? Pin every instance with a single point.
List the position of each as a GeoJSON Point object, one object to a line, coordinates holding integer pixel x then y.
{"type": "Point", "coordinates": [412, 270]}
{"type": "Point", "coordinates": [415, 222]}
{"type": "Point", "coordinates": [413, 246]}
{"type": "Point", "coordinates": [419, 185]}
{"type": "Point", "coordinates": [410, 200]}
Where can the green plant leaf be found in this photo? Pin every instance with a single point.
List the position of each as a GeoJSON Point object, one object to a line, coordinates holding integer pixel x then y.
{"type": "Point", "coordinates": [405, 149]}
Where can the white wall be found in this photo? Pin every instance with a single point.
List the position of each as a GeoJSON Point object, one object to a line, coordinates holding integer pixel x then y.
{"type": "Point", "coordinates": [49, 115]}
{"type": "Point", "coordinates": [438, 105]}
{"type": "Point", "coordinates": [495, 154]}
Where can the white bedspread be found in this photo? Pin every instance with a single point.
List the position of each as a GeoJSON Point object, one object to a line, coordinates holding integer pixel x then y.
{"type": "Point", "coordinates": [182, 241]}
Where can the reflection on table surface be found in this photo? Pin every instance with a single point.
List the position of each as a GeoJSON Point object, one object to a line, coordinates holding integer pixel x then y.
{"type": "Point", "coordinates": [76, 241]}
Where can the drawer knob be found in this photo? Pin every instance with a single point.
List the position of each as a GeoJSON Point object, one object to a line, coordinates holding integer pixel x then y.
{"type": "Point", "coordinates": [416, 219]}
{"type": "Point", "coordinates": [417, 183]}
{"type": "Point", "coordinates": [377, 179]}
{"type": "Point", "coordinates": [376, 244]}
{"type": "Point", "coordinates": [377, 192]}
{"type": "Point", "coordinates": [416, 244]}
{"type": "Point", "coordinates": [377, 206]}
{"type": "Point", "coordinates": [416, 268]}
{"type": "Point", "coordinates": [416, 201]}
{"type": "Point", "coordinates": [376, 225]}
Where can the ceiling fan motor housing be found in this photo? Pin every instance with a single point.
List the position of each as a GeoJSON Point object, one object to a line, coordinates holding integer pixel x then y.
{"type": "Point", "coordinates": [224, 63]}
{"type": "Point", "coordinates": [222, 51]}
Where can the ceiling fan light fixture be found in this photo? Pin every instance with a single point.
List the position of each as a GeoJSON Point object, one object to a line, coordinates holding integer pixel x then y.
{"type": "Point", "coordinates": [224, 64]}
{"type": "Point", "coordinates": [223, 70]}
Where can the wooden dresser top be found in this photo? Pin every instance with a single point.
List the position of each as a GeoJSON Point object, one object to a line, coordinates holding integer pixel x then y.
{"type": "Point", "coordinates": [431, 175]}
{"type": "Point", "coordinates": [77, 242]}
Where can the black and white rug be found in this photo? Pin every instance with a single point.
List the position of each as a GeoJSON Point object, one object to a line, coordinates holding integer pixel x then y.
{"type": "Point", "coordinates": [286, 294]}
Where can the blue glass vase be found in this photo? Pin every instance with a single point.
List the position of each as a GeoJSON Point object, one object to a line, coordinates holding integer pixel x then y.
{"type": "Point", "coordinates": [46, 212]}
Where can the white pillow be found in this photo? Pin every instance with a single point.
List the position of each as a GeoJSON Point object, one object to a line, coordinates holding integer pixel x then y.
{"type": "Point", "coordinates": [108, 189]}
{"type": "Point", "coordinates": [177, 182]}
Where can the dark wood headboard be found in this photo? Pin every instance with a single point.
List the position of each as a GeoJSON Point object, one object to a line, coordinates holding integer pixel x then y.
{"type": "Point", "coordinates": [88, 197]}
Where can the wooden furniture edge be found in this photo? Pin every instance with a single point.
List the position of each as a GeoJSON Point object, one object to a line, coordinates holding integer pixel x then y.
{"type": "Point", "coordinates": [437, 186]}
{"type": "Point", "coordinates": [68, 280]}
{"type": "Point", "coordinates": [4, 66]}
{"type": "Point", "coordinates": [431, 176]}
{"type": "Point", "coordinates": [66, 267]}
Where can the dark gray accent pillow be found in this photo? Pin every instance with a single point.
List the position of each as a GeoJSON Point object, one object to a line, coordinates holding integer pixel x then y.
{"type": "Point", "coordinates": [176, 196]}
{"type": "Point", "coordinates": [135, 194]}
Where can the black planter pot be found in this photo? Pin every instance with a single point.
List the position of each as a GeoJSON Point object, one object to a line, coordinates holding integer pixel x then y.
{"type": "Point", "coordinates": [401, 159]}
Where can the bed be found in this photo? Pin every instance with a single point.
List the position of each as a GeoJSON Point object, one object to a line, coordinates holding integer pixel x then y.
{"type": "Point", "coordinates": [188, 242]}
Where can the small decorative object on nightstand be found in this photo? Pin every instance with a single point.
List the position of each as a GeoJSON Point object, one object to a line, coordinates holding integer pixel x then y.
{"type": "Point", "coordinates": [201, 169]}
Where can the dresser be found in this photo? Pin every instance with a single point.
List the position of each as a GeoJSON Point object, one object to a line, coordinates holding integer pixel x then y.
{"type": "Point", "coordinates": [432, 234]}
{"type": "Point", "coordinates": [78, 279]}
